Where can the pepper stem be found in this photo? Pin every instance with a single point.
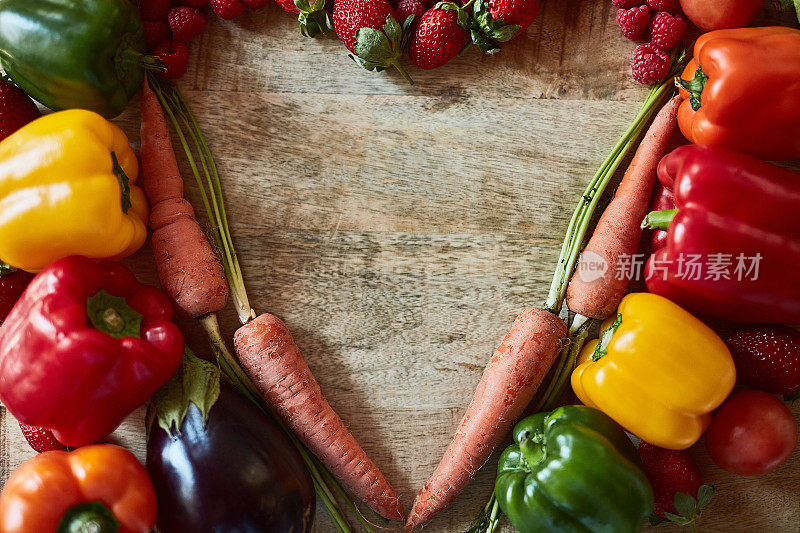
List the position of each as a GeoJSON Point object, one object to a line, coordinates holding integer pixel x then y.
{"type": "Point", "coordinates": [694, 86]}
{"type": "Point", "coordinates": [659, 219]}
{"type": "Point", "coordinates": [605, 339]}
{"type": "Point", "coordinates": [113, 320]}
{"type": "Point", "coordinates": [92, 516]}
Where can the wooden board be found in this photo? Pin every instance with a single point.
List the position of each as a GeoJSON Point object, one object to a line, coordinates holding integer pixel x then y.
{"type": "Point", "coordinates": [398, 230]}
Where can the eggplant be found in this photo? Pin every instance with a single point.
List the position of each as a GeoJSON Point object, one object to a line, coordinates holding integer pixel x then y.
{"type": "Point", "coordinates": [232, 470]}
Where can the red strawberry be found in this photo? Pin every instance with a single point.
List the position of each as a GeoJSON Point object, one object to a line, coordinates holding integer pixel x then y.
{"type": "Point", "coordinates": [677, 483]}
{"type": "Point", "coordinates": [12, 285]}
{"type": "Point", "coordinates": [186, 23]}
{"type": "Point", "coordinates": [155, 33]}
{"type": "Point", "coordinates": [633, 21]}
{"type": "Point", "coordinates": [650, 64]}
{"type": "Point", "coordinates": [176, 56]}
{"type": "Point", "coordinates": [154, 10]}
{"type": "Point", "coordinates": [498, 21]}
{"type": "Point", "coordinates": [255, 4]}
{"type": "Point", "coordinates": [407, 8]}
{"type": "Point", "coordinates": [40, 439]}
{"type": "Point", "coordinates": [439, 37]}
{"type": "Point", "coordinates": [670, 6]}
{"type": "Point", "coordinates": [288, 6]}
{"type": "Point", "coordinates": [370, 30]}
{"type": "Point", "coordinates": [314, 18]}
{"type": "Point", "coordinates": [767, 357]}
{"type": "Point", "coordinates": [666, 30]}
{"type": "Point", "coordinates": [16, 109]}
{"type": "Point", "coordinates": [228, 9]}
{"type": "Point", "coordinates": [193, 3]}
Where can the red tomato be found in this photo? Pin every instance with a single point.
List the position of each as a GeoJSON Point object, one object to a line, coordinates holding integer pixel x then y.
{"type": "Point", "coordinates": [717, 14]}
{"type": "Point", "coordinates": [752, 433]}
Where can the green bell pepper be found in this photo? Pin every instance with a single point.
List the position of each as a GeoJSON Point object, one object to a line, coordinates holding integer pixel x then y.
{"type": "Point", "coordinates": [572, 470]}
{"type": "Point", "coordinates": [87, 54]}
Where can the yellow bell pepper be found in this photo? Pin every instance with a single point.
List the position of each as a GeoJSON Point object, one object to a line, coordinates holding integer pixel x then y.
{"type": "Point", "coordinates": [67, 188]}
{"type": "Point", "coordinates": [657, 370]}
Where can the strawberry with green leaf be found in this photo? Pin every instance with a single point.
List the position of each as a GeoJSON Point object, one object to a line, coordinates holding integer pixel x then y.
{"type": "Point", "coordinates": [314, 18]}
{"type": "Point", "coordinates": [370, 30]}
{"type": "Point", "coordinates": [499, 21]}
{"type": "Point", "coordinates": [439, 36]}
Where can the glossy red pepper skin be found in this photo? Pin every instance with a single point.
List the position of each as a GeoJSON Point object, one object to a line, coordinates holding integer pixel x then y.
{"type": "Point", "coordinates": [58, 371]}
{"type": "Point", "coordinates": [731, 203]}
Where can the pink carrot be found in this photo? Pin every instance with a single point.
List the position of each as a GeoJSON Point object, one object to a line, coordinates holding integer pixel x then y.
{"type": "Point", "coordinates": [189, 271]}
{"type": "Point", "coordinates": [508, 384]}
{"type": "Point", "coordinates": [271, 358]}
{"type": "Point", "coordinates": [593, 292]}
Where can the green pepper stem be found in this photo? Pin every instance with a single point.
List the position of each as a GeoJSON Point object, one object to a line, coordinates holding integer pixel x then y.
{"type": "Point", "coordinates": [91, 516]}
{"type": "Point", "coordinates": [659, 219]}
{"type": "Point", "coordinates": [605, 339]}
{"type": "Point", "coordinates": [694, 87]}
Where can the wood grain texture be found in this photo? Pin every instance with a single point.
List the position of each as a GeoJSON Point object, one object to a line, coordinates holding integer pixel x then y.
{"type": "Point", "coordinates": [398, 230]}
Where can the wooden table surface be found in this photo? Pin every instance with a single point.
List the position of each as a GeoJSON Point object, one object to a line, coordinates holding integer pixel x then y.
{"type": "Point", "coordinates": [398, 230]}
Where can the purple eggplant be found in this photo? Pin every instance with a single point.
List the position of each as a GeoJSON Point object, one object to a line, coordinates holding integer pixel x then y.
{"type": "Point", "coordinates": [224, 466]}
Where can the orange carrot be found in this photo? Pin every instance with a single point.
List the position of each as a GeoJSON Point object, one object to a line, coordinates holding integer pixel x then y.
{"type": "Point", "coordinates": [596, 293]}
{"type": "Point", "coordinates": [271, 358]}
{"type": "Point", "coordinates": [508, 384]}
{"type": "Point", "coordinates": [189, 271]}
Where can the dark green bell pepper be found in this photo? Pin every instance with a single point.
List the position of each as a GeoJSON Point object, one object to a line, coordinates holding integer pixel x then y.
{"type": "Point", "coordinates": [572, 470]}
{"type": "Point", "coordinates": [87, 54]}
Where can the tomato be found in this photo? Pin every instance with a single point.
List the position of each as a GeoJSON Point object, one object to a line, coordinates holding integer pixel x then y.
{"type": "Point", "coordinates": [752, 433]}
{"type": "Point", "coordinates": [717, 14]}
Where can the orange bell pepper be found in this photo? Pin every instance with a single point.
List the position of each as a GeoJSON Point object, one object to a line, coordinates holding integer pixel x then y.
{"type": "Point", "coordinates": [741, 91]}
{"type": "Point", "coordinates": [100, 488]}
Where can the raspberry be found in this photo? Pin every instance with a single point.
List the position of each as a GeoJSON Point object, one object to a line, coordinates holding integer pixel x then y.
{"type": "Point", "coordinates": [176, 56]}
{"type": "Point", "coordinates": [633, 21]}
{"type": "Point", "coordinates": [228, 9]}
{"type": "Point", "coordinates": [155, 33]}
{"type": "Point", "coordinates": [186, 23]}
{"type": "Point", "coordinates": [627, 4]}
{"type": "Point", "coordinates": [193, 3]}
{"type": "Point", "coordinates": [258, 4]}
{"type": "Point", "coordinates": [154, 10]}
{"type": "Point", "coordinates": [649, 64]}
{"type": "Point", "coordinates": [670, 6]}
{"type": "Point", "coordinates": [40, 439]}
{"type": "Point", "coordinates": [666, 30]}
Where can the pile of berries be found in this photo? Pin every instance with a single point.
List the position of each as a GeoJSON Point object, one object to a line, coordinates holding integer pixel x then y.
{"type": "Point", "coordinates": [170, 24]}
{"type": "Point", "coordinates": [660, 23]}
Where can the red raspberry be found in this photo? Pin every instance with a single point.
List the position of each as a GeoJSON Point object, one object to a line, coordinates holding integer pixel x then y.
{"type": "Point", "coordinates": [193, 3]}
{"type": "Point", "coordinates": [40, 439]}
{"type": "Point", "coordinates": [627, 4]}
{"type": "Point", "coordinates": [666, 30]}
{"type": "Point", "coordinates": [633, 21]}
{"type": "Point", "coordinates": [186, 23]}
{"type": "Point", "coordinates": [154, 10]}
{"type": "Point", "coordinates": [155, 33]}
{"type": "Point", "coordinates": [228, 9]}
{"type": "Point", "coordinates": [257, 4]}
{"type": "Point", "coordinates": [670, 6]}
{"type": "Point", "coordinates": [649, 64]}
{"type": "Point", "coordinates": [176, 56]}
{"type": "Point", "coordinates": [405, 8]}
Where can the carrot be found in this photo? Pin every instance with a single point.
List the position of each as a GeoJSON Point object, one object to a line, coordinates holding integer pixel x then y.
{"type": "Point", "coordinates": [619, 229]}
{"type": "Point", "coordinates": [273, 361]}
{"type": "Point", "coordinates": [508, 384]}
{"type": "Point", "coordinates": [188, 269]}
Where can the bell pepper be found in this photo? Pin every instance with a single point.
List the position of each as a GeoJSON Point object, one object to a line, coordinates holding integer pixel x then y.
{"type": "Point", "coordinates": [572, 470]}
{"type": "Point", "coordinates": [68, 54]}
{"type": "Point", "coordinates": [83, 347]}
{"type": "Point", "coordinates": [741, 91]}
{"type": "Point", "coordinates": [67, 187]}
{"type": "Point", "coordinates": [657, 370]}
{"type": "Point", "coordinates": [733, 246]}
{"type": "Point", "coordinates": [100, 488]}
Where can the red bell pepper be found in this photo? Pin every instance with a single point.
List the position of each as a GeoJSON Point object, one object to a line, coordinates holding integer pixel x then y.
{"type": "Point", "coordinates": [83, 347]}
{"type": "Point", "coordinates": [733, 245]}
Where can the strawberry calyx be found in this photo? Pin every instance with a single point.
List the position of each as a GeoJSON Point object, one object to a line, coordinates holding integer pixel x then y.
{"type": "Point", "coordinates": [380, 49]}
{"type": "Point", "coordinates": [486, 32]}
{"type": "Point", "coordinates": [687, 507]}
{"type": "Point", "coordinates": [6, 269]}
{"type": "Point", "coordinates": [314, 18]}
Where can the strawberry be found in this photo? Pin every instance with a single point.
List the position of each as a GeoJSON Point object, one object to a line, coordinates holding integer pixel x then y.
{"type": "Point", "coordinates": [155, 33]}
{"type": "Point", "coordinates": [498, 21]}
{"type": "Point", "coordinates": [650, 64]}
{"type": "Point", "coordinates": [411, 8]}
{"type": "Point", "coordinates": [666, 30]}
{"type": "Point", "coordinates": [439, 36]}
{"type": "Point", "coordinates": [314, 18]}
{"type": "Point", "coordinates": [197, 4]}
{"type": "Point", "coordinates": [255, 4]}
{"type": "Point", "coordinates": [288, 6]}
{"type": "Point", "coordinates": [186, 23]}
{"type": "Point", "coordinates": [154, 10]}
{"type": "Point", "coordinates": [12, 285]}
{"type": "Point", "coordinates": [370, 30]}
{"type": "Point", "coordinates": [228, 9]}
{"type": "Point", "coordinates": [40, 439]}
{"type": "Point", "coordinates": [767, 357]}
{"type": "Point", "coordinates": [677, 484]}
{"type": "Point", "coordinates": [16, 109]}
{"type": "Point", "coordinates": [176, 56]}
{"type": "Point", "coordinates": [633, 21]}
